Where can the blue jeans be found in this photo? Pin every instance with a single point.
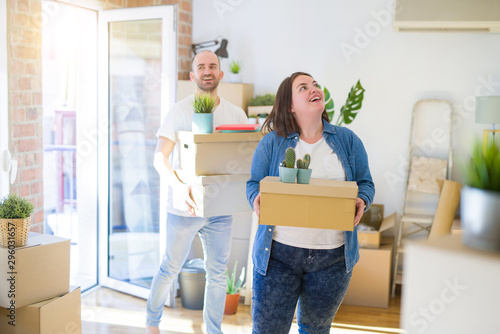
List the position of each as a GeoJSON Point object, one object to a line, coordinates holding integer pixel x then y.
{"type": "Point", "coordinates": [215, 235]}
{"type": "Point", "coordinates": [316, 278]}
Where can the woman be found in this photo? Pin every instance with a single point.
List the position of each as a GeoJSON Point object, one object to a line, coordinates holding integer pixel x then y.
{"type": "Point", "coordinates": [311, 266]}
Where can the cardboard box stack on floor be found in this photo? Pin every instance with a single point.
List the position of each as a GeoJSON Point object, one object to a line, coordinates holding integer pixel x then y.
{"type": "Point", "coordinates": [371, 277]}
{"type": "Point", "coordinates": [217, 166]}
{"type": "Point", "coordinates": [37, 298]}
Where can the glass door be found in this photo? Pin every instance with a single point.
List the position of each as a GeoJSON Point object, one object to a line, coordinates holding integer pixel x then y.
{"type": "Point", "coordinates": [4, 116]}
{"type": "Point", "coordinates": [139, 73]}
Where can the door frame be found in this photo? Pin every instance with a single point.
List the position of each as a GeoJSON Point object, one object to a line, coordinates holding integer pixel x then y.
{"type": "Point", "coordinates": [167, 13]}
{"type": "Point", "coordinates": [4, 93]}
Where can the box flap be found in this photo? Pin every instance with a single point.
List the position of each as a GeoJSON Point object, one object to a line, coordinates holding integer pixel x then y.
{"type": "Point", "coordinates": [317, 187]}
{"type": "Point", "coordinates": [189, 136]}
{"type": "Point", "coordinates": [388, 222]}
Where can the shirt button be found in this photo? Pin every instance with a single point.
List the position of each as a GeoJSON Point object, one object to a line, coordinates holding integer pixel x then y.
{"type": "Point", "coordinates": [267, 249]}
{"type": "Point", "coordinates": [269, 230]}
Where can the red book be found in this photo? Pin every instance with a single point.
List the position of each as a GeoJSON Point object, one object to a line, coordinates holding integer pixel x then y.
{"type": "Point", "coordinates": [238, 127]}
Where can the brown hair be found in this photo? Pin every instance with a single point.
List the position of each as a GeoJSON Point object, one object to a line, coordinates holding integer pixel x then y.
{"type": "Point", "coordinates": [281, 119]}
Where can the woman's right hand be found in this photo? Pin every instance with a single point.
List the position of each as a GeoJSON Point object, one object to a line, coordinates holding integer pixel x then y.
{"type": "Point", "coordinates": [256, 205]}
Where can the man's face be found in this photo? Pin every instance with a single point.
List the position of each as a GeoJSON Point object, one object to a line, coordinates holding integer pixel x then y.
{"type": "Point", "coordinates": [206, 72]}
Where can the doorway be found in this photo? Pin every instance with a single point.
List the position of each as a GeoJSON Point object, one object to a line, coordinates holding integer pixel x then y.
{"type": "Point", "coordinates": [137, 86]}
{"type": "Point", "coordinates": [69, 67]}
{"type": "Point", "coordinates": [108, 79]}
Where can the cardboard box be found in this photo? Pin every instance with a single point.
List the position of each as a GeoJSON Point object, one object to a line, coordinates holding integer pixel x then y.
{"type": "Point", "coordinates": [373, 219]}
{"type": "Point", "coordinates": [371, 277]}
{"type": "Point", "coordinates": [238, 94]}
{"type": "Point", "coordinates": [56, 315]}
{"type": "Point", "coordinates": [217, 153]}
{"type": "Point", "coordinates": [215, 195]}
{"type": "Point", "coordinates": [326, 204]}
{"type": "Point", "coordinates": [36, 272]}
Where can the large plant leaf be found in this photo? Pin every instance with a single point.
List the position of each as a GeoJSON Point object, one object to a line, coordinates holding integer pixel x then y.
{"type": "Point", "coordinates": [354, 101]}
{"type": "Point", "coordinates": [329, 106]}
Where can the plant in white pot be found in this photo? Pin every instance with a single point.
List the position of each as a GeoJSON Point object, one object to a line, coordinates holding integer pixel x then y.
{"type": "Point", "coordinates": [480, 198]}
{"type": "Point", "coordinates": [203, 106]}
{"type": "Point", "coordinates": [15, 220]}
{"type": "Point", "coordinates": [235, 67]}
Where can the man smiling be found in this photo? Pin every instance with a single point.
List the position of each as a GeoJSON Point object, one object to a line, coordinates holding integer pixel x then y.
{"type": "Point", "coordinates": [183, 225]}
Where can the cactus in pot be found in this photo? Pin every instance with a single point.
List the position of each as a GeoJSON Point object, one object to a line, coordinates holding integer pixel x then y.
{"type": "Point", "coordinates": [304, 173]}
{"type": "Point", "coordinates": [304, 162]}
{"type": "Point", "coordinates": [290, 158]}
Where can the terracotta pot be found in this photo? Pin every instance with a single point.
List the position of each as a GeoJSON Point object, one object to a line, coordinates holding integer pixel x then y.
{"type": "Point", "coordinates": [231, 303]}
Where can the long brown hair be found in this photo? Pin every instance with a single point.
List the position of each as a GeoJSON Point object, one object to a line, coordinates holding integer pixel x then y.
{"type": "Point", "coordinates": [281, 119]}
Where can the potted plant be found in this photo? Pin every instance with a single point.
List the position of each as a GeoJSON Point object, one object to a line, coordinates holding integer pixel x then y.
{"type": "Point", "coordinates": [252, 119]}
{"type": "Point", "coordinates": [233, 290]}
{"type": "Point", "coordinates": [203, 106]}
{"type": "Point", "coordinates": [303, 172]}
{"type": "Point", "coordinates": [480, 198]}
{"type": "Point", "coordinates": [261, 104]}
{"type": "Point", "coordinates": [15, 220]}
{"type": "Point", "coordinates": [262, 118]}
{"type": "Point", "coordinates": [287, 170]}
{"type": "Point", "coordinates": [234, 71]}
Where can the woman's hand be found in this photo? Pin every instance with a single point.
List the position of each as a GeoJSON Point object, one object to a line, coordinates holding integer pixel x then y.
{"type": "Point", "coordinates": [360, 209]}
{"type": "Point", "coordinates": [256, 205]}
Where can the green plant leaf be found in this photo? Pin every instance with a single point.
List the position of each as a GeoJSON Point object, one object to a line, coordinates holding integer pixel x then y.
{"type": "Point", "coordinates": [354, 102]}
{"type": "Point", "coordinates": [329, 105]}
{"type": "Point", "coordinates": [203, 103]}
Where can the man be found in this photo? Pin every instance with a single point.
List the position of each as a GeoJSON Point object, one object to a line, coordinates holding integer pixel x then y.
{"type": "Point", "coordinates": [182, 226]}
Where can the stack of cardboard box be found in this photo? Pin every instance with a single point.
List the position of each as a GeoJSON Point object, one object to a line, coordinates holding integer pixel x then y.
{"type": "Point", "coordinates": [217, 165]}
{"type": "Point", "coordinates": [35, 296]}
{"type": "Point", "coordinates": [371, 277]}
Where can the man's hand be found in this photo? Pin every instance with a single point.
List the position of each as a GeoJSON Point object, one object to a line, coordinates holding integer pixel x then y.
{"type": "Point", "coordinates": [360, 209]}
{"type": "Point", "coordinates": [185, 190]}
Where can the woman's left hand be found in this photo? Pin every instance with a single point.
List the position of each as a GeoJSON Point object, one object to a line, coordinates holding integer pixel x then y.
{"type": "Point", "coordinates": [360, 209]}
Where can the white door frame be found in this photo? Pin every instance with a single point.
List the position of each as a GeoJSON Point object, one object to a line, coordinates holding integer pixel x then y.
{"type": "Point", "coordinates": [168, 83]}
{"type": "Point", "coordinates": [4, 93]}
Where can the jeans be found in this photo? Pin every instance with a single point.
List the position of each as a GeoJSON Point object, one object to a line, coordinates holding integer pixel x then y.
{"type": "Point", "coordinates": [316, 278]}
{"type": "Point", "coordinates": [215, 235]}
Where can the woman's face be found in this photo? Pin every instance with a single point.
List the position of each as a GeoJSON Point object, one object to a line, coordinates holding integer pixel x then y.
{"type": "Point", "coordinates": [308, 100]}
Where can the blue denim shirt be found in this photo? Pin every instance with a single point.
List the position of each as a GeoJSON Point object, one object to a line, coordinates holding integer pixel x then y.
{"type": "Point", "coordinates": [266, 159]}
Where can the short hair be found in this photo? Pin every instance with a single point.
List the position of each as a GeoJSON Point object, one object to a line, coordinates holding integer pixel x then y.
{"type": "Point", "coordinates": [281, 119]}
{"type": "Point", "coordinates": [194, 57]}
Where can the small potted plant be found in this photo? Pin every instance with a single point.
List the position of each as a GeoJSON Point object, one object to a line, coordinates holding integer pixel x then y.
{"type": "Point", "coordinates": [233, 290]}
{"type": "Point", "coordinates": [261, 104]}
{"type": "Point", "coordinates": [234, 71]}
{"type": "Point", "coordinates": [203, 106]}
{"type": "Point", "coordinates": [287, 170]}
{"type": "Point", "coordinates": [480, 198]}
{"type": "Point", "coordinates": [252, 119]}
{"type": "Point", "coordinates": [304, 173]}
{"type": "Point", "coordinates": [15, 221]}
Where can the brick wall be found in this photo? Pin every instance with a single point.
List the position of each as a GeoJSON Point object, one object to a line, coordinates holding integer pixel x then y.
{"type": "Point", "coordinates": [25, 86]}
{"type": "Point", "coordinates": [25, 100]}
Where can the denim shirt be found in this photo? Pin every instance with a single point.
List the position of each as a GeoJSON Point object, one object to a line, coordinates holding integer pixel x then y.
{"type": "Point", "coordinates": [271, 151]}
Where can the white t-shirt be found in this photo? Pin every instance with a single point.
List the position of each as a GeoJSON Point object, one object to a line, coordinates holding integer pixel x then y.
{"type": "Point", "coordinates": [180, 117]}
{"type": "Point", "coordinates": [325, 164]}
